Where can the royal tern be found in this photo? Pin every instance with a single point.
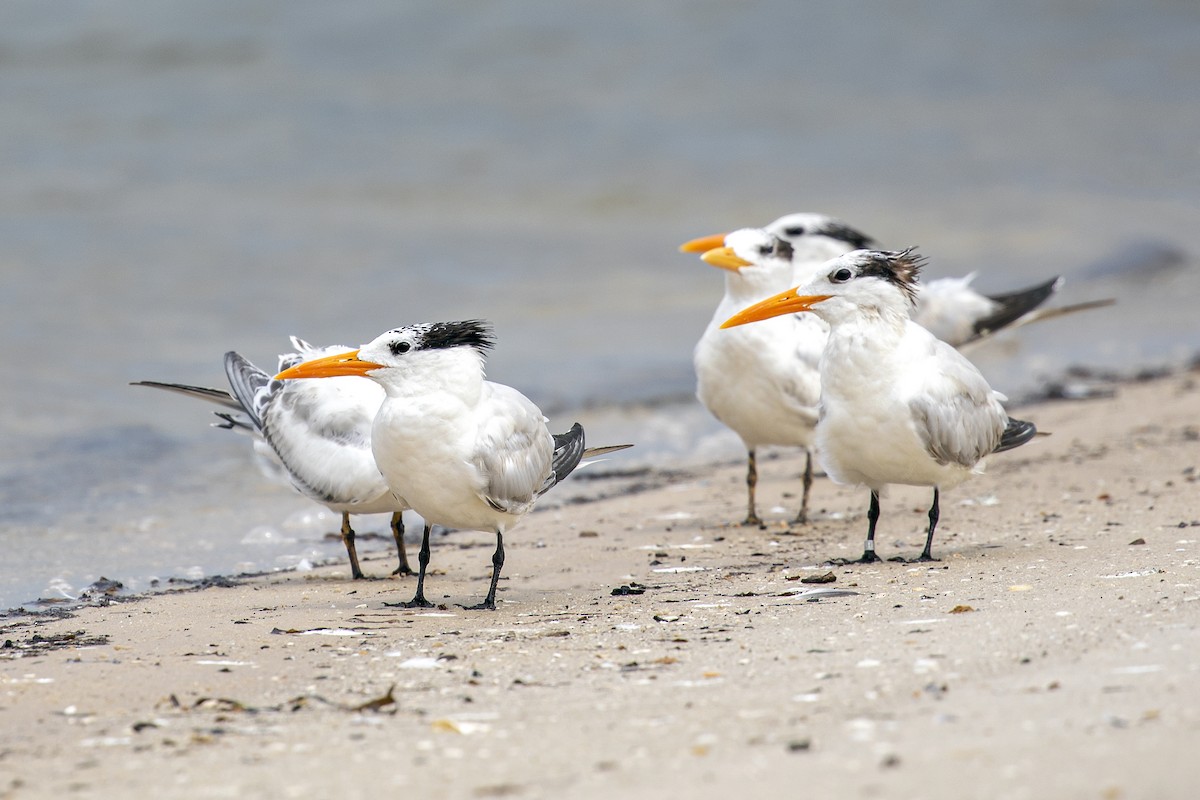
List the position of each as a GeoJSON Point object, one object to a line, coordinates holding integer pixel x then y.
{"type": "Point", "coordinates": [898, 405]}
{"type": "Point", "coordinates": [761, 381]}
{"type": "Point", "coordinates": [764, 384]}
{"type": "Point", "coordinates": [461, 451]}
{"type": "Point", "coordinates": [948, 307]}
{"type": "Point", "coordinates": [315, 435]}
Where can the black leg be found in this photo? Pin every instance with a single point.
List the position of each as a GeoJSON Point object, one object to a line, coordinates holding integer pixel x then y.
{"type": "Point", "coordinates": [401, 551]}
{"type": "Point", "coordinates": [927, 553]}
{"type": "Point", "coordinates": [868, 555]}
{"type": "Point", "coordinates": [348, 540]}
{"type": "Point", "coordinates": [802, 517]}
{"type": "Point", "coordinates": [751, 483]}
{"type": "Point", "coordinates": [489, 602]}
{"type": "Point", "coordinates": [419, 600]}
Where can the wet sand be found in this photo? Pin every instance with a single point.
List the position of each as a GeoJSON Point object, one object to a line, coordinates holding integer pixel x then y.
{"type": "Point", "coordinates": [1054, 651]}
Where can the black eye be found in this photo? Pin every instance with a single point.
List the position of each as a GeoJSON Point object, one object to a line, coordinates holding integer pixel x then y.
{"type": "Point", "coordinates": [841, 276]}
{"type": "Point", "coordinates": [765, 250]}
{"type": "Point", "coordinates": [400, 347]}
{"type": "Point", "coordinates": [795, 230]}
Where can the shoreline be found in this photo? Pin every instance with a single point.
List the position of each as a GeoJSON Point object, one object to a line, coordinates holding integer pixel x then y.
{"type": "Point", "coordinates": [712, 446]}
{"type": "Point", "coordinates": [643, 644]}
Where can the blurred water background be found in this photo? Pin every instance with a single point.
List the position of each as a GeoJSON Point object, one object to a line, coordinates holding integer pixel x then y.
{"type": "Point", "coordinates": [181, 179]}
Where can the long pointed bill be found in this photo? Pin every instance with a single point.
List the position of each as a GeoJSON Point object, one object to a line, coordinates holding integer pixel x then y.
{"type": "Point", "coordinates": [703, 244]}
{"type": "Point", "coordinates": [724, 258]}
{"type": "Point", "coordinates": [783, 303]}
{"type": "Point", "coordinates": [335, 366]}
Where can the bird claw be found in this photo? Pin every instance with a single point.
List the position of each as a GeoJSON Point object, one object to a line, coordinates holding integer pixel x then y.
{"type": "Point", "coordinates": [416, 602]}
{"type": "Point", "coordinates": [484, 606]}
{"type": "Point", "coordinates": [403, 571]}
{"type": "Point", "coordinates": [867, 558]}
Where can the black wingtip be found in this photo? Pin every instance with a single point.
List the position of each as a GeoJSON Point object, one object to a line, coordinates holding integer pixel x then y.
{"type": "Point", "coordinates": [568, 451]}
{"type": "Point", "coordinates": [218, 396]}
{"type": "Point", "coordinates": [1016, 433]}
{"type": "Point", "coordinates": [1015, 305]}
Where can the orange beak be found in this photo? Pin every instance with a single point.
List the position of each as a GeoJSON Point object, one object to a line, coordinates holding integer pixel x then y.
{"type": "Point", "coordinates": [783, 303]}
{"type": "Point", "coordinates": [335, 366]}
{"type": "Point", "coordinates": [703, 244]}
{"type": "Point", "coordinates": [724, 258]}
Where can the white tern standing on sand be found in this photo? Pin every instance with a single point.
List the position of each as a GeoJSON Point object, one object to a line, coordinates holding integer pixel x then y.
{"type": "Point", "coordinates": [898, 405]}
{"type": "Point", "coordinates": [761, 381]}
{"type": "Point", "coordinates": [459, 450]}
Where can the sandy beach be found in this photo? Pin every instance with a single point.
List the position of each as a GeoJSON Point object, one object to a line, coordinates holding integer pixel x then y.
{"type": "Point", "coordinates": [646, 647]}
{"type": "Point", "coordinates": [187, 179]}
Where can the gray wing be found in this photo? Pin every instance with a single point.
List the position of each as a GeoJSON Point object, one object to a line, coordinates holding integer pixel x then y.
{"type": "Point", "coordinates": [315, 435]}
{"type": "Point", "coordinates": [252, 387]}
{"type": "Point", "coordinates": [514, 451]}
{"type": "Point", "coordinates": [956, 414]}
{"type": "Point", "coordinates": [321, 431]}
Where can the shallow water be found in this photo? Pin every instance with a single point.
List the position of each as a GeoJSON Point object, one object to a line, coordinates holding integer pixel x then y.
{"type": "Point", "coordinates": [183, 181]}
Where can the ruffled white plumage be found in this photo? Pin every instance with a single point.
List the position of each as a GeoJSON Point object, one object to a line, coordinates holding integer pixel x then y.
{"type": "Point", "coordinates": [312, 435]}
{"type": "Point", "coordinates": [320, 431]}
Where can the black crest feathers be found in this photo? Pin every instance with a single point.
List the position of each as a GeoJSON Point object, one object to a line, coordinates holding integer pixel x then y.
{"type": "Point", "coordinates": [475, 333]}
{"type": "Point", "coordinates": [844, 233]}
{"type": "Point", "coordinates": [901, 268]}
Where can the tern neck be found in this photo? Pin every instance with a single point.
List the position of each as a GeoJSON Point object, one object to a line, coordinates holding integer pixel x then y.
{"type": "Point", "coordinates": [861, 351]}
{"type": "Point", "coordinates": [869, 328]}
{"type": "Point", "coordinates": [457, 371]}
{"type": "Point", "coordinates": [870, 306]}
{"type": "Point", "coordinates": [751, 284]}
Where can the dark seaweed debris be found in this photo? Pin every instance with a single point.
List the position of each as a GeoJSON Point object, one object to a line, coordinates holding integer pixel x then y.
{"type": "Point", "coordinates": [39, 644]}
{"type": "Point", "coordinates": [384, 703]}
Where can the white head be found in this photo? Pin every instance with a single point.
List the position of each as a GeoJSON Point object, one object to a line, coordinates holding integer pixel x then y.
{"type": "Point", "coordinates": [755, 258]}
{"type": "Point", "coordinates": [407, 353]}
{"type": "Point", "coordinates": [818, 237]}
{"type": "Point", "coordinates": [861, 283]}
